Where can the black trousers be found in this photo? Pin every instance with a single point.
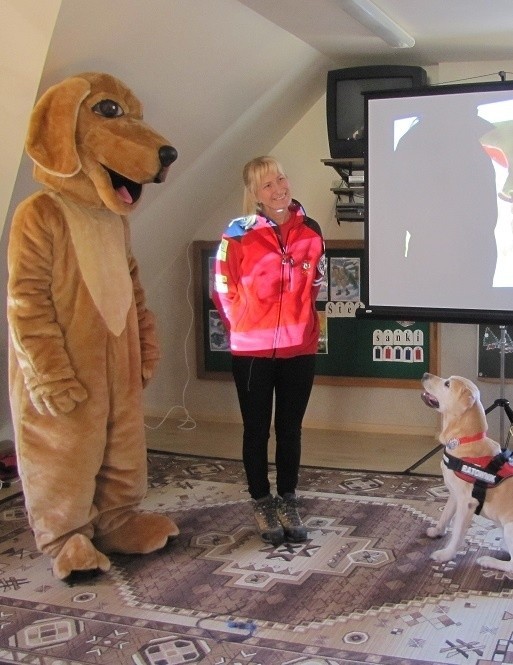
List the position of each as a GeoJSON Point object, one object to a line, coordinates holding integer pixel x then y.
{"type": "Point", "coordinates": [261, 382]}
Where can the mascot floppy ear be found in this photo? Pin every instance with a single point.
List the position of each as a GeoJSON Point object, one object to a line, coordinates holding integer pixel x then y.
{"type": "Point", "coordinates": [51, 135]}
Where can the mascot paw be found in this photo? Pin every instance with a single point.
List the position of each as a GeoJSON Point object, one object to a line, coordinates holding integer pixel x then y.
{"type": "Point", "coordinates": [140, 534]}
{"type": "Point", "coordinates": [147, 370]}
{"type": "Point", "coordinates": [78, 554]}
{"type": "Point", "coordinates": [58, 397]}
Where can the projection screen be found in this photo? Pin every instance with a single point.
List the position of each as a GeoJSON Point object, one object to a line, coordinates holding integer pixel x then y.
{"type": "Point", "coordinates": [439, 203]}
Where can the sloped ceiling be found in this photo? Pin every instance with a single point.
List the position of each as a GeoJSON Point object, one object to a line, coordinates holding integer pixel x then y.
{"type": "Point", "coordinates": [226, 79]}
{"type": "Point", "coordinates": [221, 82]}
{"type": "Point", "coordinates": [444, 30]}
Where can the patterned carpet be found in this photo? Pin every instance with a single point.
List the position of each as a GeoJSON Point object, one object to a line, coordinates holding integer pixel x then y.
{"type": "Point", "coordinates": [362, 589]}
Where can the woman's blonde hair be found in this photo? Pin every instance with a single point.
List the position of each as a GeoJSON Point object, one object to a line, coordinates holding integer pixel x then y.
{"type": "Point", "coordinates": [253, 175]}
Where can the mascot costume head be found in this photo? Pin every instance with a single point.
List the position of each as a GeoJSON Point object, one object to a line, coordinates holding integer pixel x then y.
{"type": "Point", "coordinates": [82, 341]}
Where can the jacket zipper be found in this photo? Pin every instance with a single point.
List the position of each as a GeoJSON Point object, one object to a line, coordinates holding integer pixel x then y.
{"type": "Point", "coordinates": [285, 260]}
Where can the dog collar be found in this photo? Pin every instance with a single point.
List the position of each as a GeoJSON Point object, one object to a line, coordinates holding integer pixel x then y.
{"type": "Point", "coordinates": [454, 443]}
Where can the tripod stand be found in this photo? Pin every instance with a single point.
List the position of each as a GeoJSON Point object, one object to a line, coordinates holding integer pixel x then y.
{"type": "Point", "coordinates": [504, 344]}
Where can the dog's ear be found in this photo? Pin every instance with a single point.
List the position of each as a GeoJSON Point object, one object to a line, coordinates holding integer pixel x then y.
{"type": "Point", "coordinates": [51, 136]}
{"type": "Point", "coordinates": [468, 398]}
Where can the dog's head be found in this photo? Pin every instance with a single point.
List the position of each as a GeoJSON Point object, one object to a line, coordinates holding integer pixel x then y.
{"type": "Point", "coordinates": [458, 400]}
{"type": "Point", "coordinates": [455, 394]}
{"type": "Point", "coordinates": [88, 141]}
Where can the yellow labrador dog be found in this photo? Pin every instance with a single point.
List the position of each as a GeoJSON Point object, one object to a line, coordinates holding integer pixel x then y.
{"type": "Point", "coordinates": [474, 468]}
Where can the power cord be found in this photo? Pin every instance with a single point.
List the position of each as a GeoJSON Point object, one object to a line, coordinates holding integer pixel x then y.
{"type": "Point", "coordinates": [188, 423]}
{"type": "Point", "coordinates": [501, 75]}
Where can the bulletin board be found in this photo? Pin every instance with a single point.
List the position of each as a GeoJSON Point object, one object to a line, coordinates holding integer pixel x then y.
{"type": "Point", "coordinates": [352, 351]}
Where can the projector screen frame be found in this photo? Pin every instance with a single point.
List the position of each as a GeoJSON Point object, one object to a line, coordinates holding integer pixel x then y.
{"type": "Point", "coordinates": [421, 312]}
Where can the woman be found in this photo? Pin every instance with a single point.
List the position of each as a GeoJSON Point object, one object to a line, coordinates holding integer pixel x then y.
{"type": "Point", "coordinates": [269, 267]}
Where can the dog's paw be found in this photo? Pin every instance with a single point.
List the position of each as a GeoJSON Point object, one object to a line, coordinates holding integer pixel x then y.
{"type": "Point", "coordinates": [435, 532]}
{"type": "Point", "coordinates": [495, 564]}
{"type": "Point", "coordinates": [442, 555]}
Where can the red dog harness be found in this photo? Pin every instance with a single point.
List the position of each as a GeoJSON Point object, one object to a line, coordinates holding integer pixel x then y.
{"type": "Point", "coordinates": [484, 472]}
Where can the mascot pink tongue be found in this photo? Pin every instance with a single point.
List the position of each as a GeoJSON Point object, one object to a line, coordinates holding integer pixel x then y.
{"type": "Point", "coordinates": [124, 194]}
{"type": "Point", "coordinates": [82, 343]}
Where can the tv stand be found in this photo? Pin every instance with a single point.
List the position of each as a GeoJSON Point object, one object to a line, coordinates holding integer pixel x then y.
{"type": "Point", "coordinates": [345, 166]}
{"type": "Point", "coordinates": [349, 206]}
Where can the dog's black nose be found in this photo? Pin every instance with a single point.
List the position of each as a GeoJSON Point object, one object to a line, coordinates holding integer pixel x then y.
{"type": "Point", "coordinates": [167, 155]}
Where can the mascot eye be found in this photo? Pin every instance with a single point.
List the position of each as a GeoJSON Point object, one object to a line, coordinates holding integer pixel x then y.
{"type": "Point", "coordinates": [108, 109]}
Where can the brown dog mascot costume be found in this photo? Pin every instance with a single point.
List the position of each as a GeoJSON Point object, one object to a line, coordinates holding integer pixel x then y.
{"type": "Point", "coordinates": [82, 342]}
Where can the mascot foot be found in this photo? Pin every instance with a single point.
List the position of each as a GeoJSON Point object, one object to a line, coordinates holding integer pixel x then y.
{"type": "Point", "coordinates": [78, 554]}
{"type": "Point", "coordinates": [140, 534]}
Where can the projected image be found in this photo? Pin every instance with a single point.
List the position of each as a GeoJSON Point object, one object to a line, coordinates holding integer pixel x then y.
{"type": "Point", "coordinates": [440, 200]}
{"type": "Point", "coordinates": [466, 201]}
{"type": "Point", "coordinates": [498, 145]}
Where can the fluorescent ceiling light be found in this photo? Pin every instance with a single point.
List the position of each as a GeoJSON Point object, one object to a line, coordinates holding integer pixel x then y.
{"type": "Point", "coordinates": [366, 13]}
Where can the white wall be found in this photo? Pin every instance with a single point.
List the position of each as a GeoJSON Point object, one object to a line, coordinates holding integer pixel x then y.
{"type": "Point", "coordinates": [208, 86]}
{"type": "Point", "coordinates": [25, 32]}
{"type": "Point", "coordinates": [339, 407]}
{"type": "Point", "coordinates": [243, 107]}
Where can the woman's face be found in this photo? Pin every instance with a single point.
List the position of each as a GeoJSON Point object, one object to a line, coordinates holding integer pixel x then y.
{"type": "Point", "coordinates": [274, 193]}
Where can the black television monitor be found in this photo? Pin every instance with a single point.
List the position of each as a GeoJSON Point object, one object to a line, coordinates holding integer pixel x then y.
{"type": "Point", "coordinates": [439, 203]}
{"type": "Point", "coordinates": [345, 106]}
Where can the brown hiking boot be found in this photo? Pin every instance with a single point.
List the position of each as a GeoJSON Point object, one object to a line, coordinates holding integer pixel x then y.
{"type": "Point", "coordinates": [267, 521]}
{"type": "Point", "coordinates": [288, 515]}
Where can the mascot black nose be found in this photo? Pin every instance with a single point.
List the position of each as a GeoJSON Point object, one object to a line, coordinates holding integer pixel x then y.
{"type": "Point", "coordinates": [167, 155]}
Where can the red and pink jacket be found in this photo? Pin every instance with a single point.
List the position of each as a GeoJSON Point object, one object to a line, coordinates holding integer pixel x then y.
{"type": "Point", "coordinates": [266, 281]}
